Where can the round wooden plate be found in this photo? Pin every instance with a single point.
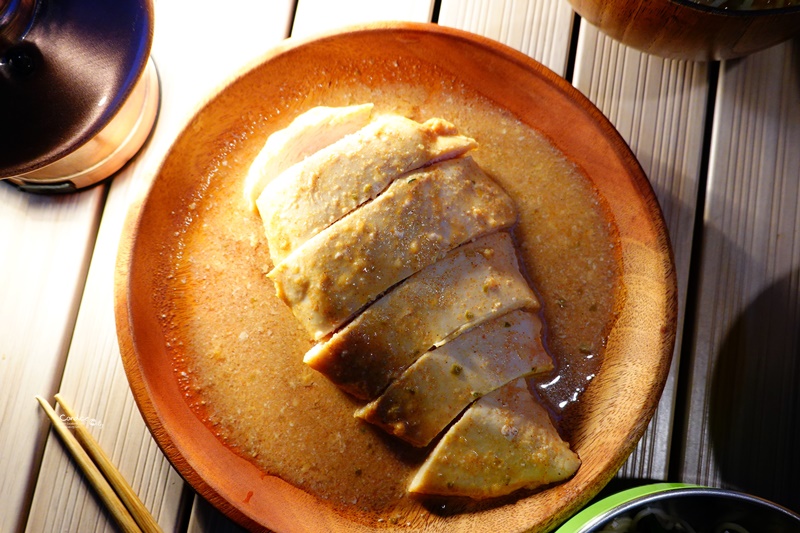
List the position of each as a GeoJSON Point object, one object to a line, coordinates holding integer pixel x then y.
{"type": "Point", "coordinates": [617, 405]}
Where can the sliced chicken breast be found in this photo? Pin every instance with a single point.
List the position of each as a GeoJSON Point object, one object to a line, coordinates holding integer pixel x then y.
{"type": "Point", "coordinates": [504, 442]}
{"type": "Point", "coordinates": [308, 133]}
{"type": "Point", "coordinates": [311, 195]}
{"type": "Point", "coordinates": [439, 385]}
{"type": "Point", "coordinates": [419, 218]}
{"type": "Point", "coordinates": [472, 284]}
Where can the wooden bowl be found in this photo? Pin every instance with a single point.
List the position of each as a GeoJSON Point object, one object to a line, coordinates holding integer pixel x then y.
{"type": "Point", "coordinates": [616, 407]}
{"type": "Point", "coordinates": [686, 29]}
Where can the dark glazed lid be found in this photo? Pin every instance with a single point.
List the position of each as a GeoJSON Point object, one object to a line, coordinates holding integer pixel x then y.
{"type": "Point", "coordinates": [66, 67]}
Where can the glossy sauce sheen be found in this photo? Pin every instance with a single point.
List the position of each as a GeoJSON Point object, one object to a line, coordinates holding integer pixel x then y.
{"type": "Point", "coordinates": [237, 349]}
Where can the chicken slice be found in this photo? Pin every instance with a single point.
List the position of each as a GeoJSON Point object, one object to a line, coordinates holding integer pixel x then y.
{"type": "Point", "coordinates": [473, 283]}
{"type": "Point", "coordinates": [439, 385]}
{"type": "Point", "coordinates": [419, 218]}
{"type": "Point", "coordinates": [308, 133]}
{"type": "Point", "coordinates": [504, 442]}
{"type": "Point", "coordinates": [310, 196]}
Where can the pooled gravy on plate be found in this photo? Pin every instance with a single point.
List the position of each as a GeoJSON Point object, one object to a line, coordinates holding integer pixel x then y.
{"type": "Point", "coordinates": [237, 349]}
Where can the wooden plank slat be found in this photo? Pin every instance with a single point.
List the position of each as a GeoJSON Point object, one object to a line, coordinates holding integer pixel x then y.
{"type": "Point", "coordinates": [94, 382]}
{"type": "Point", "coordinates": [743, 410]}
{"type": "Point", "coordinates": [541, 29]}
{"type": "Point", "coordinates": [192, 62]}
{"type": "Point", "coordinates": [659, 108]}
{"type": "Point", "coordinates": [45, 245]}
{"type": "Point", "coordinates": [206, 517]}
{"type": "Point", "coordinates": [315, 16]}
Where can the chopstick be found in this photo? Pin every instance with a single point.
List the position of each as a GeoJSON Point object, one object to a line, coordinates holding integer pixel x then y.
{"type": "Point", "coordinates": [115, 478]}
{"type": "Point", "coordinates": [118, 496]}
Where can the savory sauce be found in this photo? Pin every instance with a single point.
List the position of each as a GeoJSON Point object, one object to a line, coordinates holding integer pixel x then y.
{"type": "Point", "coordinates": [237, 350]}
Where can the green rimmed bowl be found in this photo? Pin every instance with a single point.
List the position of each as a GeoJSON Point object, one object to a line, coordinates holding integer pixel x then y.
{"type": "Point", "coordinates": [701, 508]}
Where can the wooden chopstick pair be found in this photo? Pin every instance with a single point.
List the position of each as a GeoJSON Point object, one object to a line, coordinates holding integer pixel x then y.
{"type": "Point", "coordinates": [123, 503]}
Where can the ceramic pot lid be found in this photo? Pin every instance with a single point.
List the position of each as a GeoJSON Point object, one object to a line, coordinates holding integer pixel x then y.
{"type": "Point", "coordinates": [66, 68]}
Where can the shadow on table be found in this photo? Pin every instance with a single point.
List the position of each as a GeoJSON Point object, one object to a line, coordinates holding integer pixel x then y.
{"type": "Point", "coordinates": [755, 397]}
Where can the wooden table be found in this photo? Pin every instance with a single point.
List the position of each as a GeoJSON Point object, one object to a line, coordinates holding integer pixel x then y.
{"type": "Point", "coordinates": [719, 141]}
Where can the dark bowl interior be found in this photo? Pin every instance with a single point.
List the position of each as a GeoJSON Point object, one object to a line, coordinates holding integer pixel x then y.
{"type": "Point", "coordinates": [751, 7]}
{"type": "Point", "coordinates": [701, 509]}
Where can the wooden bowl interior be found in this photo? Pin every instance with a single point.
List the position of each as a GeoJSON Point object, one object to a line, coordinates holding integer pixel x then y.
{"type": "Point", "coordinates": [618, 404]}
